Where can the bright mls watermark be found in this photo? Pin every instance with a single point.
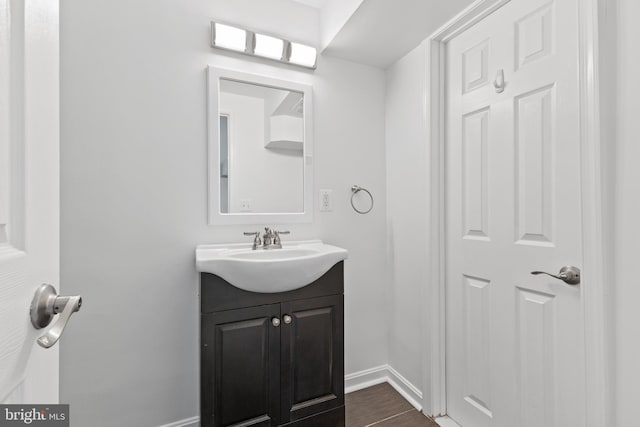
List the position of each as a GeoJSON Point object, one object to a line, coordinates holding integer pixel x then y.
{"type": "Point", "coordinates": [34, 415]}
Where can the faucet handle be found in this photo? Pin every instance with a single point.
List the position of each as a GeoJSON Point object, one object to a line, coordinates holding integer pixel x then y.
{"type": "Point", "coordinates": [256, 241]}
{"type": "Point", "coordinates": [276, 237]}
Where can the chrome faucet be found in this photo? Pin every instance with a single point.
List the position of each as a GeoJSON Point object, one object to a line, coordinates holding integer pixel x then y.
{"type": "Point", "coordinates": [267, 238]}
{"type": "Point", "coordinates": [270, 239]}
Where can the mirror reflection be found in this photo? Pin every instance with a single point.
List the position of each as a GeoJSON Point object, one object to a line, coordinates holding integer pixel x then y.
{"type": "Point", "coordinates": [261, 148]}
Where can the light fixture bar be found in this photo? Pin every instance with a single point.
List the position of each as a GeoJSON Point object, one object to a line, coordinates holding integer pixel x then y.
{"type": "Point", "coordinates": [228, 37]}
{"type": "Point", "coordinates": [268, 47]}
{"type": "Point", "coordinates": [302, 55]}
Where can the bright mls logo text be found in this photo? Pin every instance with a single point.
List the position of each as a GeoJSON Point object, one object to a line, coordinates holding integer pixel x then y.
{"type": "Point", "coordinates": [27, 416]}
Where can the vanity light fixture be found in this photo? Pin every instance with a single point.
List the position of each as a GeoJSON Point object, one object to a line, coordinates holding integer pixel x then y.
{"type": "Point", "coordinates": [268, 47]}
{"type": "Point", "coordinates": [224, 36]}
{"type": "Point", "coordinates": [302, 55]}
{"type": "Point", "coordinates": [228, 37]}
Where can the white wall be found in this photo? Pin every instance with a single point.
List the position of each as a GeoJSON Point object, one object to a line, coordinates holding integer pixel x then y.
{"type": "Point", "coordinates": [627, 212]}
{"type": "Point", "coordinates": [134, 186]}
{"type": "Point", "coordinates": [407, 210]}
{"type": "Point", "coordinates": [608, 69]}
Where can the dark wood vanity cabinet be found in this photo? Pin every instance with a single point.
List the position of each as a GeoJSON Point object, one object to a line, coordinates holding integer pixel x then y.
{"type": "Point", "coordinates": [273, 359]}
{"type": "Point", "coordinates": [240, 362]}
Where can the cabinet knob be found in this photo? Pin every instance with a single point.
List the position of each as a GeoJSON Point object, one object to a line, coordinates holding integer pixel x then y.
{"type": "Point", "coordinates": [275, 322]}
{"type": "Point", "coordinates": [287, 319]}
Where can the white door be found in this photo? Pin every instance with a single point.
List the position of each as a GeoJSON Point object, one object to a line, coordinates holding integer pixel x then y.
{"type": "Point", "coordinates": [515, 342]}
{"type": "Point", "coordinates": [29, 193]}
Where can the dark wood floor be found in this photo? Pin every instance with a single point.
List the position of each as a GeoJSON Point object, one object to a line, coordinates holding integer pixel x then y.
{"type": "Point", "coordinates": [382, 406]}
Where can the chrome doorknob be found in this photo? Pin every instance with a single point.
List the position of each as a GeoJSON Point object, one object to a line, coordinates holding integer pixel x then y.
{"type": "Point", "coordinates": [275, 322]}
{"type": "Point", "coordinates": [568, 274]}
{"type": "Point", "coordinates": [499, 83]}
{"type": "Point", "coordinates": [47, 303]}
{"type": "Point", "coordinates": [287, 319]}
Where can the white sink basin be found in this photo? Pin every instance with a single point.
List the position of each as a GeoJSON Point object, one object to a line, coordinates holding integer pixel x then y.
{"type": "Point", "coordinates": [296, 265]}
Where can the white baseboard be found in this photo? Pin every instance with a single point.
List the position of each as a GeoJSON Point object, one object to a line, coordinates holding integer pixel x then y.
{"type": "Point", "coordinates": [405, 388]}
{"type": "Point", "coordinates": [358, 381]}
{"type": "Point", "coordinates": [367, 378]}
{"type": "Point", "coordinates": [384, 374]}
{"type": "Point", "coordinates": [188, 422]}
{"type": "Point", "coordinates": [446, 422]}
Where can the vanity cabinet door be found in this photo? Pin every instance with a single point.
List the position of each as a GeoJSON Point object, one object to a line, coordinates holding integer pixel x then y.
{"type": "Point", "coordinates": [312, 378]}
{"type": "Point", "coordinates": [240, 364]}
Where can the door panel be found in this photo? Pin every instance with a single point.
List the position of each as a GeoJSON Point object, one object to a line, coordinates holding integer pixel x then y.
{"type": "Point", "coordinates": [534, 182]}
{"type": "Point", "coordinates": [240, 367]}
{"type": "Point", "coordinates": [29, 193]}
{"type": "Point", "coordinates": [536, 314]}
{"type": "Point", "coordinates": [312, 361]}
{"type": "Point", "coordinates": [477, 345]}
{"type": "Point", "coordinates": [514, 341]}
{"type": "Point", "coordinates": [475, 71]}
{"type": "Point", "coordinates": [474, 147]}
{"type": "Point", "coordinates": [534, 36]}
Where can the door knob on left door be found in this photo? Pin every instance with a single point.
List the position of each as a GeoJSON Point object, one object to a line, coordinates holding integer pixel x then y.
{"type": "Point", "coordinates": [47, 303]}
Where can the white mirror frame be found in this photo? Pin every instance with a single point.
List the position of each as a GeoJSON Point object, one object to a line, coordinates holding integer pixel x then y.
{"type": "Point", "coordinates": [216, 217]}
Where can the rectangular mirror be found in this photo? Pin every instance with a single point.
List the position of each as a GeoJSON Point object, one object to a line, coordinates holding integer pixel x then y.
{"type": "Point", "coordinates": [260, 156]}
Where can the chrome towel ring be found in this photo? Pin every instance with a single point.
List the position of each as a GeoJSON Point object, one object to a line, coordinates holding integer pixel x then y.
{"type": "Point", "coordinates": [355, 189]}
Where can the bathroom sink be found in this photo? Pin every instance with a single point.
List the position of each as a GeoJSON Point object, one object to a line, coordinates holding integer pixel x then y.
{"type": "Point", "coordinates": [296, 265]}
{"type": "Point", "coordinates": [274, 254]}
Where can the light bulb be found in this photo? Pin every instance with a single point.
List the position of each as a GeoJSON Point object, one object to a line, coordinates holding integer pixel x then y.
{"type": "Point", "coordinates": [230, 37]}
{"type": "Point", "coordinates": [269, 47]}
{"type": "Point", "coordinates": [303, 55]}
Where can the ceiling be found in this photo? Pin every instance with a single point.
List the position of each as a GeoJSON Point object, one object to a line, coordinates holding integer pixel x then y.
{"type": "Point", "coordinates": [318, 4]}
{"type": "Point", "coordinates": [381, 31]}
